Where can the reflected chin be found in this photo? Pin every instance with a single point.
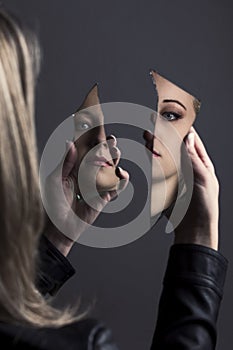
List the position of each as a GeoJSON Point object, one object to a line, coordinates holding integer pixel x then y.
{"type": "Point", "coordinates": [106, 179]}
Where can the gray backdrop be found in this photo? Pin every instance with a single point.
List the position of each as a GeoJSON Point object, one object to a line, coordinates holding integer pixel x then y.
{"type": "Point", "coordinates": [115, 43]}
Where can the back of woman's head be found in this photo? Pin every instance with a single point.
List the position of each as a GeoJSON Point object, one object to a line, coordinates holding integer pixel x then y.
{"type": "Point", "coordinates": [21, 215]}
{"type": "Point", "coordinates": [20, 208]}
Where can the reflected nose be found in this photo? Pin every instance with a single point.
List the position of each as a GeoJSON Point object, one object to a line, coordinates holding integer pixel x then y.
{"type": "Point", "coordinates": [150, 135]}
{"type": "Point", "coordinates": [155, 122]}
{"type": "Point", "coordinates": [98, 137]}
{"type": "Point", "coordinates": [153, 118]}
{"type": "Point", "coordinates": [160, 126]}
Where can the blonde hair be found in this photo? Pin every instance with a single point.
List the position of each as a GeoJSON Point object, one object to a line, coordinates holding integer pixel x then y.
{"type": "Point", "coordinates": [21, 211]}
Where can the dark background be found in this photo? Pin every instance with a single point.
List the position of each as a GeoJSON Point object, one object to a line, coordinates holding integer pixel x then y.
{"type": "Point", "coordinates": [115, 43]}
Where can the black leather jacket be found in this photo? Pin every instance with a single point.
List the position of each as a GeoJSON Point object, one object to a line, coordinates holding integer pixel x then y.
{"type": "Point", "coordinates": [188, 309]}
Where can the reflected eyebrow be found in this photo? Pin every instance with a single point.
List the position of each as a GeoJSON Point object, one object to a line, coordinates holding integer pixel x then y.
{"type": "Point", "coordinates": [93, 117]}
{"type": "Point", "coordinates": [175, 101]}
{"type": "Point", "coordinates": [88, 113]}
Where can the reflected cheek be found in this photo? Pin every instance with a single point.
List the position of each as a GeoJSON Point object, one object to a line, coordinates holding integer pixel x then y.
{"type": "Point", "coordinates": [168, 144]}
{"type": "Point", "coordinates": [169, 163]}
{"type": "Point", "coordinates": [166, 132]}
{"type": "Point", "coordinates": [184, 128]}
{"type": "Point", "coordinates": [184, 131]}
{"type": "Point", "coordinates": [163, 168]}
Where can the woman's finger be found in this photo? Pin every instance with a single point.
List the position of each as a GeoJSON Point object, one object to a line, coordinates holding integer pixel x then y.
{"type": "Point", "coordinates": [124, 178]}
{"type": "Point", "coordinates": [201, 150]}
{"type": "Point", "coordinates": [112, 141]}
{"type": "Point", "coordinates": [197, 163]}
{"type": "Point", "coordinates": [115, 154]}
{"type": "Point", "coordinates": [113, 149]}
{"type": "Point", "coordinates": [70, 159]}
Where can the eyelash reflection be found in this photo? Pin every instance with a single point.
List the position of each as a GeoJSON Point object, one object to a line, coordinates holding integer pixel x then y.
{"type": "Point", "coordinates": [171, 116]}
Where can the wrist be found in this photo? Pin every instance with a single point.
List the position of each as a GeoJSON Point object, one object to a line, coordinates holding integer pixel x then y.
{"type": "Point", "coordinates": [205, 236]}
{"type": "Point", "coordinates": [58, 239]}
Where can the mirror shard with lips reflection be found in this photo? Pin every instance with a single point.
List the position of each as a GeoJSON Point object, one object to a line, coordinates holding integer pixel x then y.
{"type": "Point", "coordinates": [95, 163]}
{"type": "Point", "coordinates": [176, 113]}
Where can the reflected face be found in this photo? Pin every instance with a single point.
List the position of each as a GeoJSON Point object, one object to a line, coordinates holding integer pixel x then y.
{"type": "Point", "coordinates": [176, 113]}
{"type": "Point", "coordinates": [94, 158]}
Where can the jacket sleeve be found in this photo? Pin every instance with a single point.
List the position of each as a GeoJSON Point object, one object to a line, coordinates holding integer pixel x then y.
{"type": "Point", "coordinates": [53, 268]}
{"type": "Point", "coordinates": [190, 299]}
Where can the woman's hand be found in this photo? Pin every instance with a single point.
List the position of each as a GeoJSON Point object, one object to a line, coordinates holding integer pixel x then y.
{"type": "Point", "coordinates": [64, 209]}
{"type": "Point", "coordinates": [200, 224]}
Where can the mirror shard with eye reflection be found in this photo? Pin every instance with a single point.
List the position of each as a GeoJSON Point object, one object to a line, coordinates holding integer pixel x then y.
{"type": "Point", "coordinates": [96, 164]}
{"type": "Point", "coordinates": [176, 113]}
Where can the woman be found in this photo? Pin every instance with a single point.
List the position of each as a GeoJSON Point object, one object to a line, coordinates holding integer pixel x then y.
{"type": "Point", "coordinates": [22, 306]}
{"type": "Point", "coordinates": [21, 214]}
{"type": "Point", "coordinates": [27, 319]}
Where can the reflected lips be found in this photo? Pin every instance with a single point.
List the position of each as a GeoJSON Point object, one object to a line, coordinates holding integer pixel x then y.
{"type": "Point", "coordinates": [100, 161]}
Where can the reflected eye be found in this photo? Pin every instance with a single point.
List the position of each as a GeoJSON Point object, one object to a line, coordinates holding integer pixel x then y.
{"type": "Point", "coordinates": [83, 125]}
{"type": "Point", "coordinates": [171, 116]}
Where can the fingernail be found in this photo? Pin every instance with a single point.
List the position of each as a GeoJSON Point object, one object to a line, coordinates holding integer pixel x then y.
{"type": "Point", "coordinates": [190, 139]}
{"type": "Point", "coordinates": [111, 137]}
{"type": "Point", "coordinates": [68, 143]}
{"type": "Point", "coordinates": [118, 170]}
